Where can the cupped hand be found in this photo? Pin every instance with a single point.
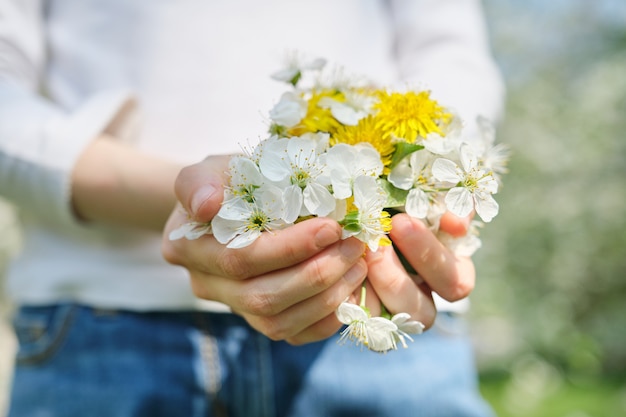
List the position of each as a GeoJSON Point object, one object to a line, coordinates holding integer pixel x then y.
{"type": "Point", "coordinates": [287, 284]}
{"type": "Point", "coordinates": [440, 270]}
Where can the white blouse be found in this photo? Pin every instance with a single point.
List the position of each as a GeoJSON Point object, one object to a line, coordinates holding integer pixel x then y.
{"type": "Point", "coordinates": [181, 80]}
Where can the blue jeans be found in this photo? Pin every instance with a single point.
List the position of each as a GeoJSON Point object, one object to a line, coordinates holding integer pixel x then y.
{"type": "Point", "coordinates": [78, 361]}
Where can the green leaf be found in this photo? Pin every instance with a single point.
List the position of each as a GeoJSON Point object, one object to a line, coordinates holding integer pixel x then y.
{"type": "Point", "coordinates": [351, 222]}
{"type": "Point", "coordinates": [396, 197]}
{"type": "Point", "coordinates": [403, 149]}
{"type": "Point", "coordinates": [295, 79]}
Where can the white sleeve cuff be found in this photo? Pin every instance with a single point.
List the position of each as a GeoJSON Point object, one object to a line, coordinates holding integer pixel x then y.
{"type": "Point", "coordinates": [36, 164]}
{"type": "Point", "coordinates": [107, 112]}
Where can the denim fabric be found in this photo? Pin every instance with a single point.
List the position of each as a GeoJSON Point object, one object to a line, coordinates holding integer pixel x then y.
{"type": "Point", "coordinates": [77, 361]}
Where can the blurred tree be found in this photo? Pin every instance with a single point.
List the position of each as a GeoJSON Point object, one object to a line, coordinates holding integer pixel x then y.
{"type": "Point", "coordinates": [551, 273]}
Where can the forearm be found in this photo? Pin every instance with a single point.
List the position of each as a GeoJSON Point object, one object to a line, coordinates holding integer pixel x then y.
{"type": "Point", "coordinates": [116, 184]}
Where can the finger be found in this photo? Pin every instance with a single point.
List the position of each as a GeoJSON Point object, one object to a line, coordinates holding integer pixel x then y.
{"type": "Point", "coordinates": [314, 317]}
{"type": "Point", "coordinates": [455, 225]}
{"type": "Point", "coordinates": [451, 276]}
{"type": "Point", "coordinates": [271, 251]}
{"type": "Point", "coordinates": [308, 282]}
{"type": "Point", "coordinates": [321, 330]}
{"type": "Point", "coordinates": [200, 187]}
{"type": "Point", "coordinates": [389, 282]}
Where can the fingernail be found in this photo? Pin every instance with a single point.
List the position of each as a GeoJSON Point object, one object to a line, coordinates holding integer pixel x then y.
{"type": "Point", "coordinates": [201, 195]}
{"type": "Point", "coordinates": [352, 248]}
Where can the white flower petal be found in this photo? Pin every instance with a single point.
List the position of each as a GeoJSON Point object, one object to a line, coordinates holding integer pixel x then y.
{"type": "Point", "coordinates": [236, 209]}
{"type": "Point", "coordinates": [417, 203]}
{"type": "Point", "coordinates": [348, 313]}
{"type": "Point", "coordinates": [244, 239]}
{"type": "Point", "coordinates": [459, 201]}
{"type": "Point", "coordinates": [488, 184]}
{"type": "Point", "coordinates": [318, 200]}
{"type": "Point", "coordinates": [182, 230]}
{"type": "Point", "coordinates": [401, 176]}
{"type": "Point", "coordinates": [225, 230]}
{"type": "Point", "coordinates": [289, 110]}
{"type": "Point", "coordinates": [486, 206]}
{"type": "Point", "coordinates": [380, 334]}
{"type": "Point", "coordinates": [438, 144]}
{"type": "Point", "coordinates": [285, 75]}
{"type": "Point", "coordinates": [345, 114]}
{"type": "Point", "coordinates": [273, 163]}
{"type": "Point", "coordinates": [292, 199]}
{"type": "Point", "coordinates": [316, 64]}
{"type": "Point", "coordinates": [468, 155]}
{"type": "Point", "coordinates": [405, 324]}
{"type": "Point", "coordinates": [200, 230]}
{"type": "Point", "coordinates": [446, 170]}
{"type": "Point", "coordinates": [368, 160]}
{"type": "Point", "coordinates": [244, 171]}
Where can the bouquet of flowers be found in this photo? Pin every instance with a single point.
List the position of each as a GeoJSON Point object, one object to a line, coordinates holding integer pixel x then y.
{"type": "Point", "coordinates": [340, 147]}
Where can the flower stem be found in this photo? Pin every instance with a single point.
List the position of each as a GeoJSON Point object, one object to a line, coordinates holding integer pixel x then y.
{"type": "Point", "coordinates": [363, 295]}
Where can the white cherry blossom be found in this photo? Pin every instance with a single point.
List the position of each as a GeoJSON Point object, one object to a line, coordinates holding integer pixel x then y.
{"type": "Point", "coordinates": [355, 107]}
{"type": "Point", "coordinates": [245, 180]}
{"type": "Point", "coordinates": [472, 187]}
{"type": "Point", "coordinates": [355, 318]}
{"type": "Point", "coordinates": [346, 162]}
{"type": "Point", "coordinates": [414, 174]}
{"type": "Point", "coordinates": [376, 333]}
{"type": "Point", "coordinates": [294, 67]}
{"type": "Point", "coordinates": [296, 163]}
{"type": "Point", "coordinates": [370, 224]}
{"type": "Point", "coordinates": [289, 111]}
{"type": "Point", "coordinates": [241, 223]}
{"type": "Point", "coordinates": [494, 157]}
{"type": "Point", "coordinates": [405, 327]}
{"type": "Point", "coordinates": [191, 230]}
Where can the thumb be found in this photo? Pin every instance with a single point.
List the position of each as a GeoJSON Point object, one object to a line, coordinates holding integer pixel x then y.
{"type": "Point", "coordinates": [200, 187]}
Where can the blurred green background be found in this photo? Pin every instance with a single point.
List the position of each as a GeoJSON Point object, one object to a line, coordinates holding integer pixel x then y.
{"type": "Point", "coordinates": [549, 310]}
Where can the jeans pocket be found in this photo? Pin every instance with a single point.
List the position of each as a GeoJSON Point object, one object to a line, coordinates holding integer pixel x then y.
{"type": "Point", "coordinates": [40, 331]}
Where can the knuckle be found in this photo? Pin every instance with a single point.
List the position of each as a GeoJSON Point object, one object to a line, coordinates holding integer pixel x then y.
{"type": "Point", "coordinates": [289, 252]}
{"type": "Point", "coordinates": [169, 253]}
{"type": "Point", "coordinates": [233, 265]}
{"type": "Point", "coordinates": [198, 289]}
{"type": "Point", "coordinates": [318, 275]}
{"type": "Point", "coordinates": [321, 330]}
{"type": "Point", "coordinates": [259, 303]}
{"type": "Point", "coordinates": [330, 300]}
{"type": "Point", "coordinates": [273, 328]}
{"type": "Point", "coordinates": [460, 288]}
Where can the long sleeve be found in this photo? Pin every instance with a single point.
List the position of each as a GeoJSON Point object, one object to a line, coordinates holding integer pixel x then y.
{"type": "Point", "coordinates": [443, 45]}
{"type": "Point", "coordinates": [39, 139]}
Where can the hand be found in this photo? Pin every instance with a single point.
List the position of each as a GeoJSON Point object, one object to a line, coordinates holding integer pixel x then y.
{"type": "Point", "coordinates": [440, 270]}
{"type": "Point", "coordinates": [287, 284]}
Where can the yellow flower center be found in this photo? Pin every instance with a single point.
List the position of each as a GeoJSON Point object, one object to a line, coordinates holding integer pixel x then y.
{"type": "Point", "coordinates": [409, 115]}
{"type": "Point", "coordinates": [257, 221]}
{"type": "Point", "coordinates": [318, 119]}
{"type": "Point", "coordinates": [366, 131]}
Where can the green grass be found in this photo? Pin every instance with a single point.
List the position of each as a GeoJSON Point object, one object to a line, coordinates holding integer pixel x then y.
{"type": "Point", "coordinates": [561, 397]}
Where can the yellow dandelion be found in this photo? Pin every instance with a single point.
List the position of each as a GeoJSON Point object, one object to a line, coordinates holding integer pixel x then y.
{"type": "Point", "coordinates": [318, 119]}
{"type": "Point", "coordinates": [410, 115]}
{"type": "Point", "coordinates": [366, 131]}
